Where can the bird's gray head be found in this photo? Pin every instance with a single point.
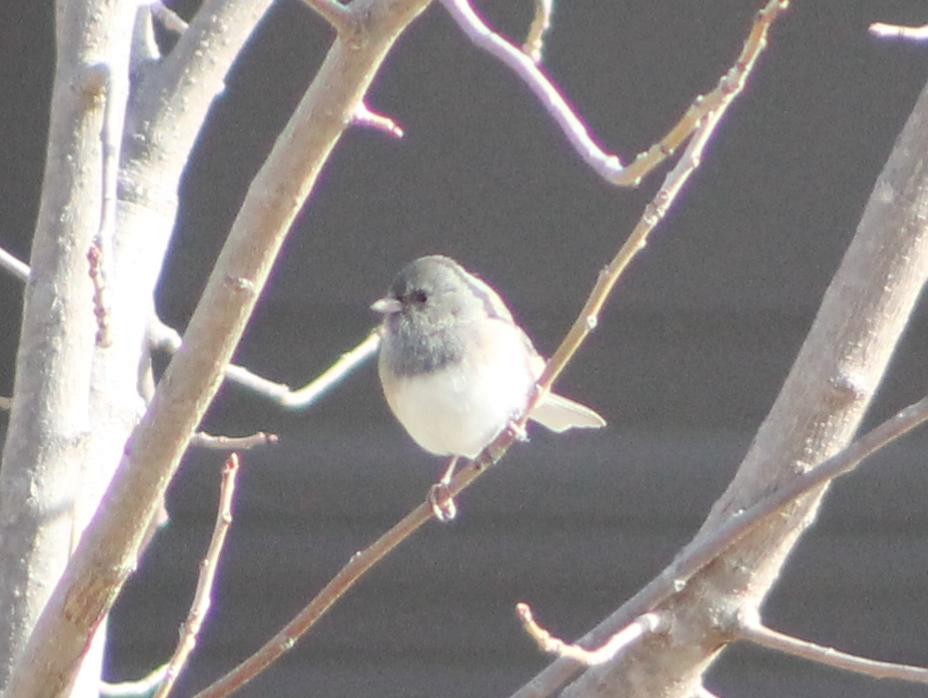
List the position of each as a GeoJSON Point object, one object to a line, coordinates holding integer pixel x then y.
{"type": "Point", "coordinates": [427, 311]}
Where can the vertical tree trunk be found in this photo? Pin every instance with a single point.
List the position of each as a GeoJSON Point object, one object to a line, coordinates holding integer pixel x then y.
{"type": "Point", "coordinates": [48, 442]}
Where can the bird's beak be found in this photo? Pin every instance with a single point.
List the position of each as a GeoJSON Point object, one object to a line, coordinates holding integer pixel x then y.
{"type": "Point", "coordinates": [387, 306]}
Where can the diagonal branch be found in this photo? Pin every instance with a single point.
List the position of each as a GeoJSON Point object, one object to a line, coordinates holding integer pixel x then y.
{"type": "Point", "coordinates": [15, 266]}
{"type": "Point", "coordinates": [756, 632]}
{"type": "Point", "coordinates": [697, 557]}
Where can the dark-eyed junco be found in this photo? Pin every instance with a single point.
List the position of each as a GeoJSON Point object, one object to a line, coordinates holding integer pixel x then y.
{"type": "Point", "coordinates": [455, 368]}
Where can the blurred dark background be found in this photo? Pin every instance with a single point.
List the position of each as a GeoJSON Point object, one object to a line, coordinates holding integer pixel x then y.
{"type": "Point", "coordinates": [689, 355]}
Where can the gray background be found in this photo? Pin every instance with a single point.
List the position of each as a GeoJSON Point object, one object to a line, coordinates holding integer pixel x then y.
{"type": "Point", "coordinates": [689, 355]}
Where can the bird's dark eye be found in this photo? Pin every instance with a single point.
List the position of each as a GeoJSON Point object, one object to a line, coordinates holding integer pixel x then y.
{"type": "Point", "coordinates": [418, 296]}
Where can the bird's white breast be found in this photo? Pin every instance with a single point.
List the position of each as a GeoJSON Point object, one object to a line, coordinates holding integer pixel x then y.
{"type": "Point", "coordinates": [460, 408]}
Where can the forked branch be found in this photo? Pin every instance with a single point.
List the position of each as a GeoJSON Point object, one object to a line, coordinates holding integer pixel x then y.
{"type": "Point", "coordinates": [606, 165]}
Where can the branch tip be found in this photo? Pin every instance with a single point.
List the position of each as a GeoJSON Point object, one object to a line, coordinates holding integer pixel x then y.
{"type": "Point", "coordinates": [641, 627]}
{"type": "Point", "coordinates": [899, 31]}
{"type": "Point", "coordinates": [756, 632]}
{"type": "Point", "coordinates": [364, 116]}
{"type": "Point", "coordinates": [541, 23]}
{"type": "Point", "coordinates": [202, 597]}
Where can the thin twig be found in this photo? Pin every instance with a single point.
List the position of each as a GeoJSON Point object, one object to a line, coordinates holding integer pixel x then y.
{"type": "Point", "coordinates": [606, 165]}
{"type": "Point", "coordinates": [166, 338]}
{"type": "Point", "coordinates": [142, 688]}
{"type": "Point", "coordinates": [232, 443]}
{"type": "Point", "coordinates": [100, 255]}
{"type": "Point", "coordinates": [899, 31]}
{"type": "Point", "coordinates": [674, 578]}
{"type": "Point", "coordinates": [756, 632]}
{"type": "Point", "coordinates": [13, 265]}
{"type": "Point", "coordinates": [541, 23]}
{"type": "Point", "coordinates": [364, 116]}
{"type": "Point", "coordinates": [201, 599]}
{"type": "Point", "coordinates": [643, 626]}
{"type": "Point", "coordinates": [285, 640]}
{"type": "Point", "coordinates": [333, 12]}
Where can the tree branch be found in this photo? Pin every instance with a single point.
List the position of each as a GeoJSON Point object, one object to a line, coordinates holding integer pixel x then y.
{"type": "Point", "coordinates": [13, 265]}
{"type": "Point", "coordinates": [202, 598]}
{"type": "Point", "coordinates": [106, 553]}
{"type": "Point", "coordinates": [844, 357]}
{"type": "Point", "coordinates": [167, 339]}
{"type": "Point", "coordinates": [541, 22]}
{"type": "Point", "coordinates": [609, 166]}
{"type": "Point", "coordinates": [755, 632]}
{"type": "Point", "coordinates": [232, 443]}
{"type": "Point", "coordinates": [644, 626]}
{"type": "Point", "coordinates": [699, 554]}
{"type": "Point", "coordinates": [898, 31]}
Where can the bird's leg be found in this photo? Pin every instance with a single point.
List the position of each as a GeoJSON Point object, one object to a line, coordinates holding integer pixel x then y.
{"type": "Point", "coordinates": [440, 498]}
{"type": "Point", "coordinates": [449, 471]}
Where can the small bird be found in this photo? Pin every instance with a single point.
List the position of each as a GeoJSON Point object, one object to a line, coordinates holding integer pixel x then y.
{"type": "Point", "coordinates": [456, 369]}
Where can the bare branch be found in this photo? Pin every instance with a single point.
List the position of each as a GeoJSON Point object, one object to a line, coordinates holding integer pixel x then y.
{"type": "Point", "coordinates": [167, 339]}
{"type": "Point", "coordinates": [13, 265]}
{"type": "Point", "coordinates": [642, 627]}
{"type": "Point", "coordinates": [286, 639]}
{"type": "Point", "coordinates": [109, 546]}
{"type": "Point", "coordinates": [201, 599]}
{"type": "Point", "coordinates": [898, 31]}
{"type": "Point", "coordinates": [142, 688]}
{"type": "Point", "coordinates": [230, 443]}
{"type": "Point", "coordinates": [752, 630]}
{"type": "Point", "coordinates": [363, 116]}
{"type": "Point", "coordinates": [333, 12]}
{"type": "Point", "coordinates": [100, 254]}
{"type": "Point", "coordinates": [541, 22]}
{"type": "Point", "coordinates": [697, 556]}
{"type": "Point", "coordinates": [609, 166]}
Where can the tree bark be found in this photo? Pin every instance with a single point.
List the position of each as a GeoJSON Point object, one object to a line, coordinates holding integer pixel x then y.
{"type": "Point", "coordinates": [107, 551]}
{"type": "Point", "coordinates": [75, 403]}
{"type": "Point", "coordinates": [818, 411]}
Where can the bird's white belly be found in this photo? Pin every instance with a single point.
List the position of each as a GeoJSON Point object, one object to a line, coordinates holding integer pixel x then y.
{"type": "Point", "coordinates": [448, 415]}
